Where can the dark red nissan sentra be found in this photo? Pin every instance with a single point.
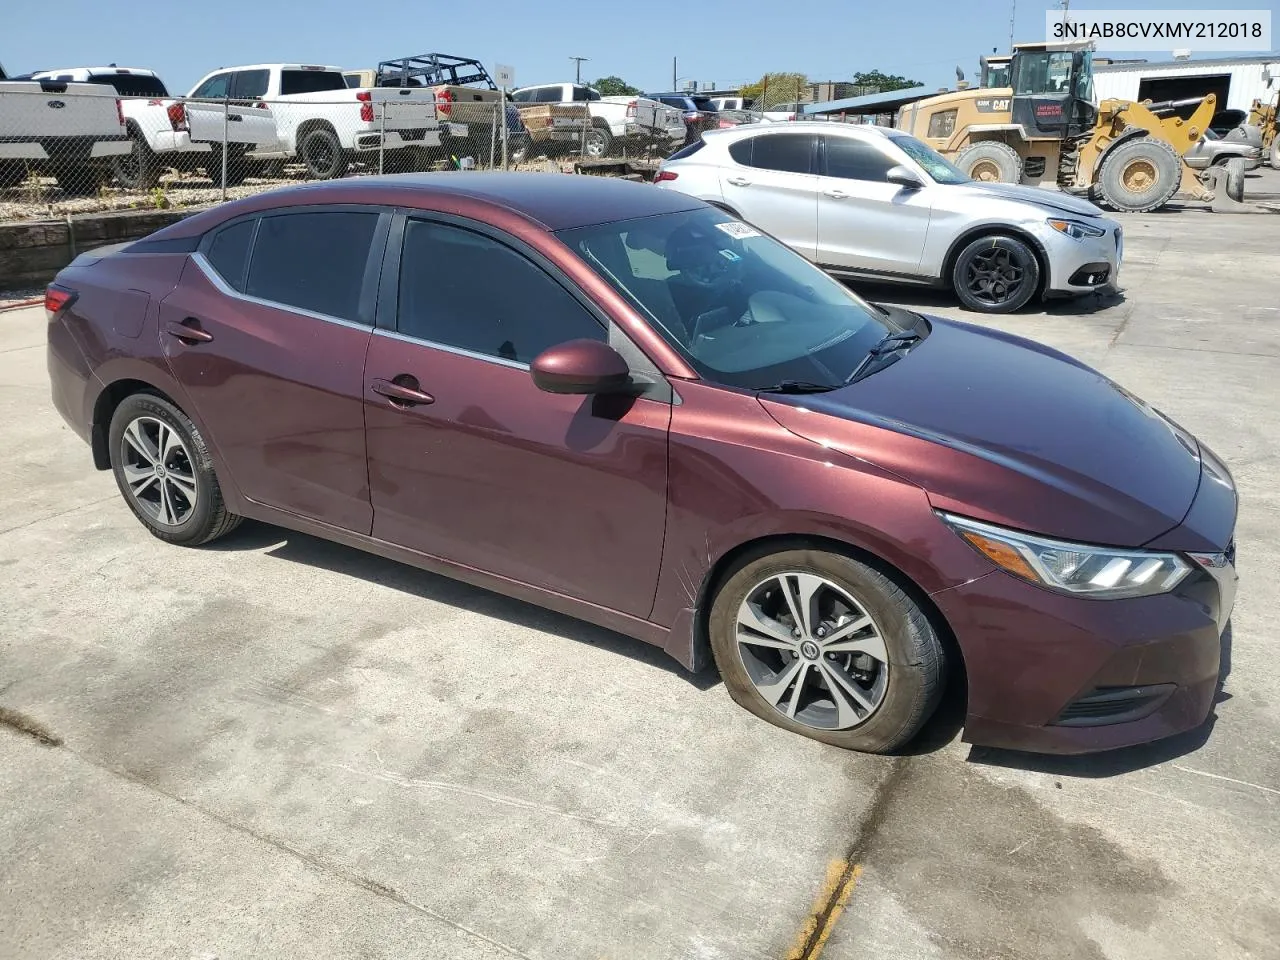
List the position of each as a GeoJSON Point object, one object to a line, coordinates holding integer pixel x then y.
{"type": "Point", "coordinates": [625, 405]}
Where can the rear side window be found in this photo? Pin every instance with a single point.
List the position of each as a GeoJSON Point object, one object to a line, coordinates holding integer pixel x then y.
{"type": "Point", "coordinates": [853, 159]}
{"type": "Point", "coordinates": [229, 252]}
{"type": "Point", "coordinates": [314, 261]}
{"type": "Point", "coordinates": [787, 152]}
{"type": "Point", "coordinates": [250, 84]}
{"type": "Point", "coordinates": [310, 81]}
{"type": "Point", "coordinates": [468, 291]}
{"type": "Point", "coordinates": [550, 95]}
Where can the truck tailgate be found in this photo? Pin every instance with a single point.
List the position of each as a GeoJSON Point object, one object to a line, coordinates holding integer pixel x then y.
{"type": "Point", "coordinates": [405, 108]}
{"type": "Point", "coordinates": [555, 121]}
{"type": "Point", "coordinates": [35, 111]}
{"type": "Point", "coordinates": [245, 123]}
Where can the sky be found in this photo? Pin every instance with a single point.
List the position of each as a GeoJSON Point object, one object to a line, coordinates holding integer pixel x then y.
{"type": "Point", "coordinates": [728, 43]}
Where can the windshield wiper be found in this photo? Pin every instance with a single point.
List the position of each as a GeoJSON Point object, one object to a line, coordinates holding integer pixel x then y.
{"type": "Point", "coordinates": [883, 350]}
{"type": "Point", "coordinates": [796, 386]}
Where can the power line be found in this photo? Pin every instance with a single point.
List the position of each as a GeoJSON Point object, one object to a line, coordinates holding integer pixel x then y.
{"type": "Point", "coordinates": [578, 67]}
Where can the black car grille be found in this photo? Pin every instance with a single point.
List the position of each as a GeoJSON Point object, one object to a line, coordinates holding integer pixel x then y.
{"type": "Point", "coordinates": [1113, 705]}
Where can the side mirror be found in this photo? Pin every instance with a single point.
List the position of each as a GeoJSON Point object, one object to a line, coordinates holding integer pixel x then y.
{"type": "Point", "coordinates": [580, 366]}
{"type": "Point", "coordinates": [903, 178]}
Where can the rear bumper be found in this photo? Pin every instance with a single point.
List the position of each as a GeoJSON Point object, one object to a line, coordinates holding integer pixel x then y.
{"type": "Point", "coordinates": [1056, 674]}
{"type": "Point", "coordinates": [70, 379]}
{"type": "Point", "coordinates": [64, 150]}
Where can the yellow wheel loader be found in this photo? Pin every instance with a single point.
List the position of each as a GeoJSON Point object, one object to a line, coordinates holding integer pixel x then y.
{"type": "Point", "coordinates": [1043, 128]}
{"type": "Point", "coordinates": [1263, 116]}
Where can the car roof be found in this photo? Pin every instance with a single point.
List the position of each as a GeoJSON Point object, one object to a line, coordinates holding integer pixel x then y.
{"type": "Point", "coordinates": [312, 67]}
{"type": "Point", "coordinates": [807, 126]}
{"type": "Point", "coordinates": [553, 201]}
{"type": "Point", "coordinates": [103, 71]}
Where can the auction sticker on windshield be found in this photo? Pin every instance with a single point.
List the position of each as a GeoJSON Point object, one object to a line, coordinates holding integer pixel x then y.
{"type": "Point", "coordinates": [738, 230]}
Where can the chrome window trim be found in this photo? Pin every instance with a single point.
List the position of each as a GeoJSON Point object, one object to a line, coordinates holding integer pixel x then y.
{"type": "Point", "coordinates": [456, 351]}
{"type": "Point", "coordinates": [207, 268]}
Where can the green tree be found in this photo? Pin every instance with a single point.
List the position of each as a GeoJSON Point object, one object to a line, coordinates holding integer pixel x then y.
{"type": "Point", "coordinates": [775, 88]}
{"type": "Point", "coordinates": [615, 87]}
{"type": "Point", "coordinates": [883, 82]}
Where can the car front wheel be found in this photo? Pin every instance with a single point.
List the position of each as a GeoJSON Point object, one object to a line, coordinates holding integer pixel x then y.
{"type": "Point", "coordinates": [996, 274]}
{"type": "Point", "coordinates": [825, 646]}
{"type": "Point", "coordinates": [165, 473]}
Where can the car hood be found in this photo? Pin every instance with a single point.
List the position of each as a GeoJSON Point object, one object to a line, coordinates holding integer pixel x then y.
{"type": "Point", "coordinates": [1053, 201]}
{"type": "Point", "coordinates": [1006, 430]}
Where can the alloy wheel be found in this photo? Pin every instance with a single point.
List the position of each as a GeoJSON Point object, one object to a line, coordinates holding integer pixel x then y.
{"type": "Point", "coordinates": [812, 651]}
{"type": "Point", "coordinates": [995, 276]}
{"type": "Point", "coordinates": [158, 471]}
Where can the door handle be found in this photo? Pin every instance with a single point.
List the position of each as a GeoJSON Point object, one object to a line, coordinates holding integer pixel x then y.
{"type": "Point", "coordinates": [836, 194]}
{"type": "Point", "coordinates": [738, 181]}
{"type": "Point", "coordinates": [188, 331]}
{"type": "Point", "coordinates": [402, 391]}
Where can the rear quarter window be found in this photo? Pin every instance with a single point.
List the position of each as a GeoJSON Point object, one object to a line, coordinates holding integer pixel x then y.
{"type": "Point", "coordinates": [310, 81]}
{"type": "Point", "coordinates": [228, 252]}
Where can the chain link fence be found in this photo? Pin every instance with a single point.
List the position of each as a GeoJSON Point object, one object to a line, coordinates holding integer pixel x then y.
{"type": "Point", "coordinates": [65, 153]}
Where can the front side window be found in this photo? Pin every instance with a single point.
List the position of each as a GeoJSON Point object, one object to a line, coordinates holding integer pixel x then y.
{"type": "Point", "coordinates": [942, 124]}
{"type": "Point", "coordinates": [465, 290]}
{"type": "Point", "coordinates": [215, 88]}
{"type": "Point", "coordinates": [1047, 71]}
{"type": "Point", "coordinates": [854, 159]}
{"type": "Point", "coordinates": [523, 96]}
{"type": "Point", "coordinates": [786, 152]}
{"type": "Point", "coordinates": [313, 261]}
{"type": "Point", "coordinates": [742, 308]}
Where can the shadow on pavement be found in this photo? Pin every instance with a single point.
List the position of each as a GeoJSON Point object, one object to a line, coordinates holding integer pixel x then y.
{"type": "Point", "coordinates": [936, 299]}
{"type": "Point", "coordinates": [1116, 762]}
{"type": "Point", "coordinates": [314, 552]}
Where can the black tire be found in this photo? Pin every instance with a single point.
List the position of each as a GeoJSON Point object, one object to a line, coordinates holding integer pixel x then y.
{"type": "Point", "coordinates": [990, 161]}
{"type": "Point", "coordinates": [596, 143]}
{"type": "Point", "coordinates": [1139, 175]}
{"type": "Point", "coordinates": [140, 168]}
{"type": "Point", "coordinates": [997, 273]}
{"type": "Point", "coordinates": [321, 151]}
{"type": "Point", "coordinates": [915, 668]}
{"type": "Point", "coordinates": [237, 165]}
{"type": "Point", "coordinates": [81, 180]}
{"type": "Point", "coordinates": [1273, 155]}
{"type": "Point", "coordinates": [1235, 179]}
{"type": "Point", "coordinates": [206, 519]}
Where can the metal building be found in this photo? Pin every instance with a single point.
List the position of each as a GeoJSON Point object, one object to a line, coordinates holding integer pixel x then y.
{"type": "Point", "coordinates": [1237, 81]}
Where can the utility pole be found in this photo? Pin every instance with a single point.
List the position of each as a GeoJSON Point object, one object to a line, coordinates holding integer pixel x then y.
{"type": "Point", "coordinates": [1013, 15]}
{"type": "Point", "coordinates": [673, 74]}
{"type": "Point", "coordinates": [578, 62]}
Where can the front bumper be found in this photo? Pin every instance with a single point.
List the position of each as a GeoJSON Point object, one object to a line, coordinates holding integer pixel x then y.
{"type": "Point", "coordinates": [1082, 266]}
{"type": "Point", "coordinates": [1051, 673]}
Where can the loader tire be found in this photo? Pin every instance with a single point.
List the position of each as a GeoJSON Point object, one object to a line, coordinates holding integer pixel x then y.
{"type": "Point", "coordinates": [1139, 175]}
{"type": "Point", "coordinates": [990, 161]}
{"type": "Point", "coordinates": [1235, 179]}
{"type": "Point", "coordinates": [1274, 153]}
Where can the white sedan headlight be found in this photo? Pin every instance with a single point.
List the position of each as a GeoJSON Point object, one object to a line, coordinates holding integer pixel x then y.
{"type": "Point", "coordinates": [1077, 568]}
{"type": "Point", "coordinates": [1076, 230]}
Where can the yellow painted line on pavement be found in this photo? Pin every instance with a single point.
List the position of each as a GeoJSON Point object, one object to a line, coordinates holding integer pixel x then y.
{"type": "Point", "coordinates": [832, 898]}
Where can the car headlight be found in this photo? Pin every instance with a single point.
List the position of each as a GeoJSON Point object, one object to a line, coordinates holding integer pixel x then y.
{"type": "Point", "coordinates": [1076, 230]}
{"type": "Point", "coordinates": [1076, 568]}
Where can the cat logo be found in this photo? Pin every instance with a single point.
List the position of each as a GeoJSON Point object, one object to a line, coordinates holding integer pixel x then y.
{"type": "Point", "coordinates": [992, 104]}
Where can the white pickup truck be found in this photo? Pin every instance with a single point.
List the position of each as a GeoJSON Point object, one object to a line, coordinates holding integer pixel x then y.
{"type": "Point", "coordinates": [326, 124]}
{"type": "Point", "coordinates": [53, 128]}
{"type": "Point", "coordinates": [639, 120]}
{"type": "Point", "coordinates": [166, 132]}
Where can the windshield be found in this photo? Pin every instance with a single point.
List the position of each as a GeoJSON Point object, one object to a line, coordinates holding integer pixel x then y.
{"type": "Point", "coordinates": [938, 167]}
{"type": "Point", "coordinates": [743, 309]}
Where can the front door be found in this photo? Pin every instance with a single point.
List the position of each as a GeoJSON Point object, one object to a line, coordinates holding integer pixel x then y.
{"type": "Point", "coordinates": [864, 222]}
{"type": "Point", "coordinates": [772, 185]}
{"type": "Point", "coordinates": [267, 334]}
{"type": "Point", "coordinates": [473, 463]}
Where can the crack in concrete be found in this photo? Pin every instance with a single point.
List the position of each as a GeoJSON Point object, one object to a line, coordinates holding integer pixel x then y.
{"type": "Point", "coordinates": [16, 720]}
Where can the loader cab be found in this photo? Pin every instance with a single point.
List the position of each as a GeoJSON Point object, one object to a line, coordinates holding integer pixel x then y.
{"type": "Point", "coordinates": [1053, 90]}
{"type": "Point", "coordinates": [994, 72]}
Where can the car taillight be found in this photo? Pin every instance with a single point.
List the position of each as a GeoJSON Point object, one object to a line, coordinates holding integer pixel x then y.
{"type": "Point", "coordinates": [631, 109]}
{"type": "Point", "coordinates": [177, 115]}
{"type": "Point", "coordinates": [261, 105]}
{"type": "Point", "coordinates": [366, 106]}
{"type": "Point", "coordinates": [120, 111]}
{"type": "Point", "coordinates": [662, 175]}
{"type": "Point", "coordinates": [444, 102]}
{"type": "Point", "coordinates": [57, 299]}
{"type": "Point", "coordinates": [693, 115]}
{"type": "Point", "coordinates": [726, 124]}
{"type": "Point", "coordinates": [549, 122]}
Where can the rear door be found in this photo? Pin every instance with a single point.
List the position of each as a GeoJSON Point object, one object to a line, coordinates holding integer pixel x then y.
{"type": "Point", "coordinates": [248, 120]}
{"type": "Point", "coordinates": [267, 334]}
{"type": "Point", "coordinates": [478, 466]}
{"type": "Point", "coordinates": [865, 222]}
{"type": "Point", "coordinates": [772, 183]}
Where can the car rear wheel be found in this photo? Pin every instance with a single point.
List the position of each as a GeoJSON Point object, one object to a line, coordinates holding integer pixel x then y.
{"type": "Point", "coordinates": [322, 152]}
{"type": "Point", "coordinates": [139, 169]}
{"type": "Point", "coordinates": [825, 646]}
{"type": "Point", "coordinates": [597, 142]}
{"type": "Point", "coordinates": [165, 473]}
{"type": "Point", "coordinates": [996, 274]}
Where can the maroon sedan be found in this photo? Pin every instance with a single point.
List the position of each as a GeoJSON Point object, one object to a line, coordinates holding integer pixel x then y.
{"type": "Point", "coordinates": [624, 405]}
